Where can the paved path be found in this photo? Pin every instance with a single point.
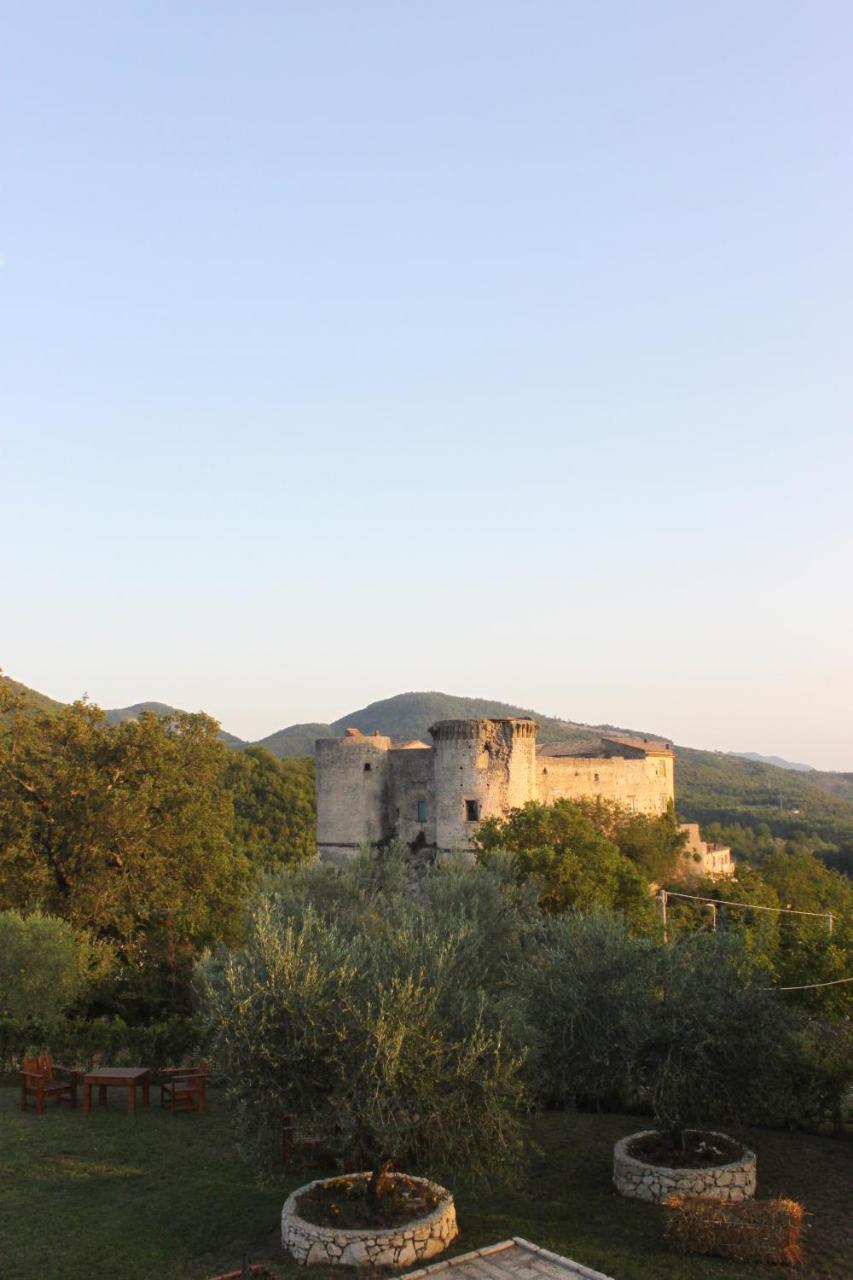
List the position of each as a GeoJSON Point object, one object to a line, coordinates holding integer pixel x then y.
{"type": "Point", "coordinates": [514, 1259]}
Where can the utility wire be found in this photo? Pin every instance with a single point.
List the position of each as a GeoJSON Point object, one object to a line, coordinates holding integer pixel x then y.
{"type": "Point", "coordinates": [807, 986]}
{"type": "Point", "coordinates": [752, 906]}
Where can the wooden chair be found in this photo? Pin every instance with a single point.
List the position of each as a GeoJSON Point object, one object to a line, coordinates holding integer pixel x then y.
{"type": "Point", "coordinates": [184, 1088]}
{"type": "Point", "coordinates": [38, 1082]}
{"type": "Point", "coordinates": [301, 1150]}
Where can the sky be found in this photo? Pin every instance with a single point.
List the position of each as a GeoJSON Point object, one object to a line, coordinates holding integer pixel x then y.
{"type": "Point", "coordinates": [496, 348]}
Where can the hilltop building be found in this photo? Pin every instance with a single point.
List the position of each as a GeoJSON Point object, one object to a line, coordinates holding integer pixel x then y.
{"type": "Point", "coordinates": [371, 789]}
{"type": "Point", "coordinates": [703, 858]}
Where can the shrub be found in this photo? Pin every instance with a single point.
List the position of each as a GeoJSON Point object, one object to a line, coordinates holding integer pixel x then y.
{"type": "Point", "coordinates": [85, 1042]}
{"type": "Point", "coordinates": [583, 986]}
{"type": "Point", "coordinates": [45, 964]}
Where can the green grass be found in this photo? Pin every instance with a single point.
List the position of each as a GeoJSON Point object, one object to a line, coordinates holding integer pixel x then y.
{"type": "Point", "coordinates": [163, 1197]}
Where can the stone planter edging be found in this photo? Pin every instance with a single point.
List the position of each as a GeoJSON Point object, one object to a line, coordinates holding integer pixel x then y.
{"type": "Point", "coordinates": [640, 1180]}
{"type": "Point", "coordinates": [398, 1246]}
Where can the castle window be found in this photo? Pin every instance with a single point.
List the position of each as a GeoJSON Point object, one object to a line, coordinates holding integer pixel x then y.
{"type": "Point", "coordinates": [368, 767]}
{"type": "Point", "coordinates": [472, 810]}
{"type": "Point", "coordinates": [422, 811]}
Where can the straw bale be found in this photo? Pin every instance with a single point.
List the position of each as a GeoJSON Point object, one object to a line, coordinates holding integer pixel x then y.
{"type": "Point", "coordinates": [745, 1230]}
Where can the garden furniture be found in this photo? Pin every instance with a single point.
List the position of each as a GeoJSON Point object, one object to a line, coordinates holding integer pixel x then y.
{"type": "Point", "coordinates": [184, 1088]}
{"type": "Point", "coordinates": [121, 1077]}
{"type": "Point", "coordinates": [38, 1082]}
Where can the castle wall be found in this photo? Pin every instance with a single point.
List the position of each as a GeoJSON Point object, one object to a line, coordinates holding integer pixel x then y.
{"type": "Point", "coordinates": [352, 793]}
{"type": "Point", "coordinates": [369, 791]}
{"type": "Point", "coordinates": [641, 785]}
{"type": "Point", "coordinates": [412, 783]}
{"type": "Point", "coordinates": [482, 767]}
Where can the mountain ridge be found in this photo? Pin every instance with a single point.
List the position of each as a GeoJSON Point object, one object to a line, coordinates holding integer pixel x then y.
{"type": "Point", "coordinates": [711, 786]}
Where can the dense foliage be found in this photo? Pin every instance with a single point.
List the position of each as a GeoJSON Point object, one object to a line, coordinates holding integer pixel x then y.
{"type": "Point", "coordinates": [586, 854]}
{"type": "Point", "coordinates": [373, 1024]}
{"type": "Point", "coordinates": [818, 807]}
{"type": "Point", "coordinates": [145, 834]}
{"type": "Point", "coordinates": [274, 807]}
{"type": "Point", "coordinates": [83, 1042]}
{"type": "Point", "coordinates": [45, 965]}
{"type": "Point", "coordinates": [408, 1016]}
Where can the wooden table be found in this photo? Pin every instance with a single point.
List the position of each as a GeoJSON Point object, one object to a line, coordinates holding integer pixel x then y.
{"type": "Point", "coordinates": [125, 1077]}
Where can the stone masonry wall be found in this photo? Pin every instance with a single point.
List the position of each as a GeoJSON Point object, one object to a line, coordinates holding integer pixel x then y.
{"type": "Point", "coordinates": [368, 790]}
{"type": "Point", "coordinates": [642, 1181]}
{"type": "Point", "coordinates": [395, 1247]}
{"type": "Point", "coordinates": [643, 785]}
{"type": "Point", "coordinates": [352, 787]}
{"type": "Point", "coordinates": [489, 762]}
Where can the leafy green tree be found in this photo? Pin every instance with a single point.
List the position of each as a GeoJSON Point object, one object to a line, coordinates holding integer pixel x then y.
{"type": "Point", "coordinates": [45, 965]}
{"type": "Point", "coordinates": [813, 949]}
{"type": "Point", "coordinates": [375, 1031]}
{"type": "Point", "coordinates": [711, 1043]}
{"type": "Point", "coordinates": [583, 983]}
{"type": "Point", "coordinates": [274, 807]}
{"type": "Point", "coordinates": [559, 847]}
{"type": "Point", "coordinates": [653, 843]}
{"type": "Point", "coordinates": [122, 830]}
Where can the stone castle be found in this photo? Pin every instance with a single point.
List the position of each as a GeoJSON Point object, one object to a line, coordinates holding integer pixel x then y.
{"type": "Point", "coordinates": [371, 789]}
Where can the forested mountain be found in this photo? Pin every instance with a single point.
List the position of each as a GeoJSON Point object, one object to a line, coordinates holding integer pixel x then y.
{"type": "Point", "coordinates": [711, 786]}
{"type": "Point", "coordinates": [118, 715]}
{"type": "Point", "coordinates": [779, 761]}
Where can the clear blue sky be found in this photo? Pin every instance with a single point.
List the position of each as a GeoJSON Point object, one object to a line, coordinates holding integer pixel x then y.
{"type": "Point", "coordinates": [498, 348]}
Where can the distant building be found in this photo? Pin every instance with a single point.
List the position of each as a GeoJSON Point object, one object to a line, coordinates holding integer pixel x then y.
{"type": "Point", "coordinates": [704, 859]}
{"type": "Point", "coordinates": [370, 789]}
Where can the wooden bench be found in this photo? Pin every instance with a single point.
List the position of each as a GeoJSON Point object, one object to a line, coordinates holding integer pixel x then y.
{"type": "Point", "coordinates": [39, 1083]}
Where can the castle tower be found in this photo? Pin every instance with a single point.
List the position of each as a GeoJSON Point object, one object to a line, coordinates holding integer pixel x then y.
{"type": "Point", "coordinates": [352, 793]}
{"type": "Point", "coordinates": [482, 769]}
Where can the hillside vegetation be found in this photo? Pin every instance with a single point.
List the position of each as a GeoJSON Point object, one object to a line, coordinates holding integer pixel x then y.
{"type": "Point", "coordinates": [711, 786]}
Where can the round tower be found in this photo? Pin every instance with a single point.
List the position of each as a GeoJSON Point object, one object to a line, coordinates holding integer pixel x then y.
{"type": "Point", "coordinates": [482, 769]}
{"type": "Point", "coordinates": [352, 786]}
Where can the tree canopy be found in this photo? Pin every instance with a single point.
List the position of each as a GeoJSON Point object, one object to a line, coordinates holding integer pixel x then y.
{"type": "Point", "coordinates": [125, 830]}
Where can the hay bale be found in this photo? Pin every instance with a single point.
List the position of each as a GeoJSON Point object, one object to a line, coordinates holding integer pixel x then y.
{"type": "Point", "coordinates": [745, 1230]}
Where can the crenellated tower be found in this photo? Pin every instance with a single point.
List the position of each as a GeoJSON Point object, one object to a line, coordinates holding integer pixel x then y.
{"type": "Point", "coordinates": [482, 769]}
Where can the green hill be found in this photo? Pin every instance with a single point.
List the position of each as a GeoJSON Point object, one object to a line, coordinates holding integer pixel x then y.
{"type": "Point", "coordinates": [296, 740]}
{"type": "Point", "coordinates": [711, 786]}
{"type": "Point", "coordinates": [409, 715]}
{"type": "Point", "coordinates": [39, 702]}
{"type": "Point", "coordinates": [33, 700]}
{"type": "Point", "coordinates": [118, 715]}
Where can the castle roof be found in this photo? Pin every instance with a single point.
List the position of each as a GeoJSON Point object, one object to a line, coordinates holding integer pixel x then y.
{"type": "Point", "coordinates": [597, 746]}
{"type": "Point", "coordinates": [651, 746]}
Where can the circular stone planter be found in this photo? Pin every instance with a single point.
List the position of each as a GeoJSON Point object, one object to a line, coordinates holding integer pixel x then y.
{"type": "Point", "coordinates": [398, 1246]}
{"type": "Point", "coordinates": [643, 1181]}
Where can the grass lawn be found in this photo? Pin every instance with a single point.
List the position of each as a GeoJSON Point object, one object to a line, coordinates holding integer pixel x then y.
{"type": "Point", "coordinates": [162, 1197]}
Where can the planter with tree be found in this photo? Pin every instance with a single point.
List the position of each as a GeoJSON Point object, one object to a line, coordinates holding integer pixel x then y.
{"type": "Point", "coordinates": [706, 1042]}
{"type": "Point", "coordinates": [367, 1025]}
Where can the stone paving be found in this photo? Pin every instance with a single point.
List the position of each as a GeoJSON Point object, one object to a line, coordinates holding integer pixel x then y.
{"type": "Point", "coordinates": [515, 1259]}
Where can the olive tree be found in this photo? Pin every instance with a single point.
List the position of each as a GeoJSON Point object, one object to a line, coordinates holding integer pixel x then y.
{"type": "Point", "coordinates": [583, 986]}
{"type": "Point", "coordinates": [711, 1041]}
{"type": "Point", "coordinates": [371, 1025]}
